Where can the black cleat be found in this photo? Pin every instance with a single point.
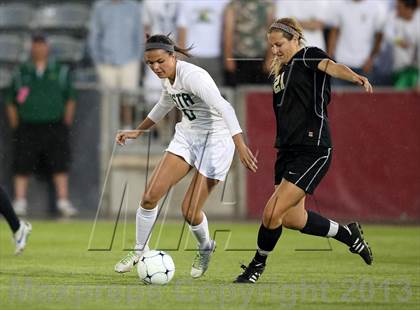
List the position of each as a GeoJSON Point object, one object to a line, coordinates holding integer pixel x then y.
{"type": "Point", "coordinates": [360, 246]}
{"type": "Point", "coordinates": [251, 273]}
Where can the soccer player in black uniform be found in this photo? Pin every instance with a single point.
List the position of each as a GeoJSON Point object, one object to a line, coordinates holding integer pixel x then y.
{"type": "Point", "coordinates": [21, 229]}
{"type": "Point", "coordinates": [301, 93]}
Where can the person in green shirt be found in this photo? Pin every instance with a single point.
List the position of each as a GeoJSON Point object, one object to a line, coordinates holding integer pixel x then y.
{"type": "Point", "coordinates": [40, 106]}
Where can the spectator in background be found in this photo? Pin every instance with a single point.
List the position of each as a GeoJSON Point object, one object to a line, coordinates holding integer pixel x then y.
{"type": "Point", "coordinates": [312, 15]}
{"type": "Point", "coordinates": [201, 18]}
{"type": "Point", "coordinates": [402, 32]}
{"type": "Point", "coordinates": [115, 36]}
{"type": "Point", "coordinates": [356, 35]}
{"type": "Point", "coordinates": [161, 17]}
{"type": "Point", "coordinates": [246, 57]}
{"type": "Point", "coordinates": [40, 105]}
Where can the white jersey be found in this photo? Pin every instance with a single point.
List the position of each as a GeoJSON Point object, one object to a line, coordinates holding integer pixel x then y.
{"type": "Point", "coordinates": [400, 30]}
{"type": "Point", "coordinates": [358, 22]}
{"type": "Point", "coordinates": [304, 10]}
{"type": "Point", "coordinates": [194, 92]}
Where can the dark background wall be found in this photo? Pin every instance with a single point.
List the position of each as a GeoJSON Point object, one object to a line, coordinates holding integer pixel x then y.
{"type": "Point", "coordinates": [375, 170]}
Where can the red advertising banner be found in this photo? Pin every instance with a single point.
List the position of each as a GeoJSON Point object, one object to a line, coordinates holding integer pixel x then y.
{"type": "Point", "coordinates": [375, 170]}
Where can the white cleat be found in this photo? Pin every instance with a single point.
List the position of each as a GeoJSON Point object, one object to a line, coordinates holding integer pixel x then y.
{"type": "Point", "coordinates": [21, 236]}
{"type": "Point", "coordinates": [20, 206]}
{"type": "Point", "coordinates": [66, 208]}
{"type": "Point", "coordinates": [202, 260]}
{"type": "Point", "coordinates": [129, 261]}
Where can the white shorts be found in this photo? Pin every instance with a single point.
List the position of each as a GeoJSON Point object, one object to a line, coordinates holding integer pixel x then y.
{"type": "Point", "coordinates": [122, 77]}
{"type": "Point", "coordinates": [210, 154]}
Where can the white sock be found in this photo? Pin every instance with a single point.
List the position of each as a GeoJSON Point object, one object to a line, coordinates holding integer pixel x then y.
{"type": "Point", "coordinates": [145, 220]}
{"type": "Point", "coordinates": [332, 232]}
{"type": "Point", "coordinates": [202, 234]}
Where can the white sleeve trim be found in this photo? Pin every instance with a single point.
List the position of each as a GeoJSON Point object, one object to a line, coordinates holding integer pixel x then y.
{"type": "Point", "coordinates": [304, 60]}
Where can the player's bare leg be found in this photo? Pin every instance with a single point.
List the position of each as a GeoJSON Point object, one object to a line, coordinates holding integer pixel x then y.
{"type": "Point", "coordinates": [168, 172]}
{"type": "Point", "coordinates": [195, 198]}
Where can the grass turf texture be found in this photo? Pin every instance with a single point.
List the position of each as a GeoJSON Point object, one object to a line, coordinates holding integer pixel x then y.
{"type": "Point", "coordinates": [57, 271]}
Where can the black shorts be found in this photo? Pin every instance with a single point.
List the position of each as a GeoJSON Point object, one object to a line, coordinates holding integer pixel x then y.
{"type": "Point", "coordinates": [43, 148]}
{"type": "Point", "coordinates": [305, 167]}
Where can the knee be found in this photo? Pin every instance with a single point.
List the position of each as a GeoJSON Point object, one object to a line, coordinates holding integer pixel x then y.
{"type": "Point", "coordinates": [295, 221]}
{"type": "Point", "coordinates": [274, 216]}
{"type": "Point", "coordinates": [290, 223]}
{"type": "Point", "coordinates": [150, 199]}
{"type": "Point", "coordinates": [272, 220]}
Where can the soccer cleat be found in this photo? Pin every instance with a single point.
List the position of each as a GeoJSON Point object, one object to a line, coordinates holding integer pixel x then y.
{"type": "Point", "coordinates": [250, 273]}
{"type": "Point", "coordinates": [20, 206]}
{"type": "Point", "coordinates": [129, 261]}
{"type": "Point", "coordinates": [360, 246]}
{"type": "Point", "coordinates": [66, 208]}
{"type": "Point", "coordinates": [21, 236]}
{"type": "Point", "coordinates": [202, 260]}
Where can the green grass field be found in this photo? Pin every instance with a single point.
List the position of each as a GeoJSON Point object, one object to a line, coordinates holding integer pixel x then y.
{"type": "Point", "coordinates": [57, 271]}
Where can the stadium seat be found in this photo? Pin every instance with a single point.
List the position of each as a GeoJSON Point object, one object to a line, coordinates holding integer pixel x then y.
{"type": "Point", "coordinates": [13, 48]}
{"type": "Point", "coordinates": [62, 16]}
{"type": "Point", "coordinates": [15, 16]}
{"type": "Point", "coordinates": [66, 49]}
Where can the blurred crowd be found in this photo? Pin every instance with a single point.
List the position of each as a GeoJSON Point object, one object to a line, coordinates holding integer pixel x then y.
{"type": "Point", "coordinates": [379, 38]}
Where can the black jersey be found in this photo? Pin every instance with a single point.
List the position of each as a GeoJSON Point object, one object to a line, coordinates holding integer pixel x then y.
{"type": "Point", "coordinates": [301, 94]}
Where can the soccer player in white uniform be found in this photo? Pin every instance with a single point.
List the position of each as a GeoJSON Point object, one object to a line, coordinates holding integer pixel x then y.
{"type": "Point", "coordinates": [204, 141]}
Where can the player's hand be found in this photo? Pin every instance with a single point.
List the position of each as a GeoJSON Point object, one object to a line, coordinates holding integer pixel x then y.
{"type": "Point", "coordinates": [247, 158]}
{"type": "Point", "coordinates": [363, 81]}
{"type": "Point", "coordinates": [122, 136]}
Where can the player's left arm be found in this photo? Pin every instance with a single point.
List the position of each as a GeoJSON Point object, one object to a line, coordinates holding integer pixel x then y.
{"type": "Point", "coordinates": [343, 72]}
{"type": "Point", "coordinates": [203, 86]}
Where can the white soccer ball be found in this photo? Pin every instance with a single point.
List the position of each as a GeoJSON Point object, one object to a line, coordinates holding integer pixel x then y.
{"type": "Point", "coordinates": [156, 267]}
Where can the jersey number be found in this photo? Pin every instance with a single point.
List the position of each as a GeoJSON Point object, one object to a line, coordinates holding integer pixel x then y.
{"type": "Point", "coordinates": [278, 84]}
{"type": "Point", "coordinates": [182, 101]}
{"type": "Point", "coordinates": [189, 114]}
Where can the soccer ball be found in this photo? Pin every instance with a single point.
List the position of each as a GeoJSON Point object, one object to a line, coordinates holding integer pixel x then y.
{"type": "Point", "coordinates": [156, 267]}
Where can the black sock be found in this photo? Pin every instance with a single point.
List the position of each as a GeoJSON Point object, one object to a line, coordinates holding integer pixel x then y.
{"type": "Point", "coordinates": [7, 210]}
{"type": "Point", "coordinates": [267, 239]}
{"type": "Point", "coordinates": [344, 235]}
{"type": "Point", "coordinates": [317, 225]}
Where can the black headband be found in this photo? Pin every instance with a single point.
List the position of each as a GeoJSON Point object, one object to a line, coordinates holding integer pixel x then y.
{"type": "Point", "coordinates": [157, 45]}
